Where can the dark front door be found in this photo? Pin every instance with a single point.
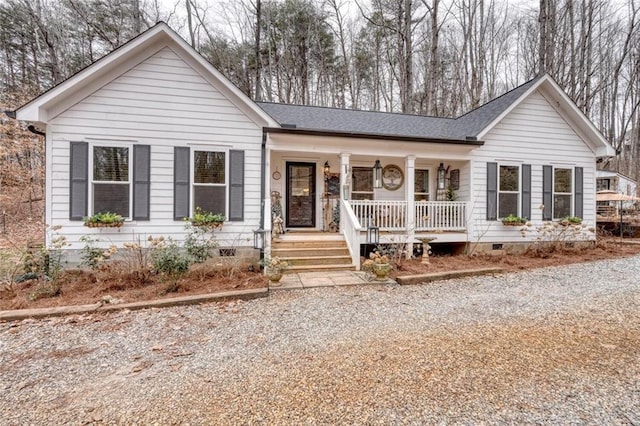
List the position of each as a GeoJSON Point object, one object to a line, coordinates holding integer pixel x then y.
{"type": "Point", "coordinates": [301, 195]}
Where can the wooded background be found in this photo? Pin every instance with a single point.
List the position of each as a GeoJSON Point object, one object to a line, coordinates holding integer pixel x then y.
{"type": "Point", "coordinates": [430, 57]}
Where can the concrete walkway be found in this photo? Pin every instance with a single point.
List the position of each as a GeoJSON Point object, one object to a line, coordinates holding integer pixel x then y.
{"type": "Point", "coordinates": [302, 280]}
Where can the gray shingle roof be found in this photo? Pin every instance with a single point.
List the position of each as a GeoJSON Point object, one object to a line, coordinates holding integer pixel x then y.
{"type": "Point", "coordinates": [393, 124]}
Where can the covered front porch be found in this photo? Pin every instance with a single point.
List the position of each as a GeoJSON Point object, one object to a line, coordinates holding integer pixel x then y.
{"type": "Point", "coordinates": [403, 199]}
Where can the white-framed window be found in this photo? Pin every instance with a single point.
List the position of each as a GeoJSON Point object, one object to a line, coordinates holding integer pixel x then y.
{"type": "Point", "coordinates": [209, 188]}
{"type": "Point", "coordinates": [508, 190]}
{"type": "Point", "coordinates": [603, 184]}
{"type": "Point", "coordinates": [562, 192]}
{"type": "Point", "coordinates": [110, 168]}
{"type": "Point", "coordinates": [362, 183]}
{"type": "Point", "coordinates": [421, 185]}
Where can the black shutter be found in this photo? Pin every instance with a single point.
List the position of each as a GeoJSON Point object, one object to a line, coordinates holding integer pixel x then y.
{"type": "Point", "coordinates": [526, 191]}
{"type": "Point", "coordinates": [236, 185]}
{"type": "Point", "coordinates": [181, 161]}
{"type": "Point", "coordinates": [492, 191]}
{"type": "Point", "coordinates": [579, 193]}
{"type": "Point", "coordinates": [78, 180]}
{"type": "Point", "coordinates": [547, 192]}
{"type": "Point", "coordinates": [141, 181]}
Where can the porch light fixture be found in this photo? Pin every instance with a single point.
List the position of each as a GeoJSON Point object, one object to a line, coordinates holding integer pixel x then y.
{"type": "Point", "coordinates": [326, 169]}
{"type": "Point", "coordinates": [258, 238]}
{"type": "Point", "coordinates": [346, 192]}
{"type": "Point", "coordinates": [373, 235]}
{"type": "Point", "coordinates": [377, 174]}
{"type": "Point", "coordinates": [442, 172]}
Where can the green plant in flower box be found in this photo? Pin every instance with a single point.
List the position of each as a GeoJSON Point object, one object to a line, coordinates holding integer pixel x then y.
{"type": "Point", "coordinates": [106, 219]}
{"type": "Point", "coordinates": [512, 220]}
{"type": "Point", "coordinates": [206, 219]}
{"type": "Point", "coordinates": [571, 220]}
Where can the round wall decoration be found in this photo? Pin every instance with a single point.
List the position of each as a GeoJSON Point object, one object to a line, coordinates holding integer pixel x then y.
{"type": "Point", "coordinates": [276, 175]}
{"type": "Point", "coordinates": [392, 177]}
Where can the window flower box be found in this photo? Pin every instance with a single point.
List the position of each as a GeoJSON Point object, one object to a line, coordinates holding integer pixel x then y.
{"type": "Point", "coordinates": [512, 220]}
{"type": "Point", "coordinates": [206, 219]}
{"type": "Point", "coordinates": [104, 220]}
{"type": "Point", "coordinates": [570, 220]}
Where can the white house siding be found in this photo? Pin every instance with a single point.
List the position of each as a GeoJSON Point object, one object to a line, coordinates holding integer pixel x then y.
{"type": "Point", "coordinates": [533, 133]}
{"type": "Point", "coordinates": [162, 102]}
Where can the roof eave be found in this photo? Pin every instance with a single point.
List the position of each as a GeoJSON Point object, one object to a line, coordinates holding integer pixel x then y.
{"type": "Point", "coordinates": [360, 135]}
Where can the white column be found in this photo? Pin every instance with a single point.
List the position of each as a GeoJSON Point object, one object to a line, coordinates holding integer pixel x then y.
{"type": "Point", "coordinates": [345, 173]}
{"type": "Point", "coordinates": [267, 202]}
{"type": "Point", "coordinates": [409, 179]}
{"type": "Point", "coordinates": [345, 180]}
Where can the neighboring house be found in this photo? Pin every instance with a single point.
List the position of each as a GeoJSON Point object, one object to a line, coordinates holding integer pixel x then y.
{"type": "Point", "coordinates": [153, 131]}
{"type": "Point", "coordinates": [609, 180]}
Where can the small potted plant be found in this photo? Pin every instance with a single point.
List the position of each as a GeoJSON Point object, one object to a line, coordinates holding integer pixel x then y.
{"type": "Point", "coordinates": [206, 219]}
{"type": "Point", "coordinates": [512, 220]}
{"type": "Point", "coordinates": [379, 265]}
{"type": "Point", "coordinates": [274, 267]}
{"type": "Point", "coordinates": [104, 220]}
{"type": "Point", "coordinates": [570, 220]}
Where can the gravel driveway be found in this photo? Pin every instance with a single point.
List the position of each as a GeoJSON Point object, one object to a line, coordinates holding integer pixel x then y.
{"type": "Point", "coordinates": [554, 345]}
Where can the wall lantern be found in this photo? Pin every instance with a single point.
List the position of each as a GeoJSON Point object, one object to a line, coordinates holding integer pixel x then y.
{"type": "Point", "coordinates": [442, 173]}
{"type": "Point", "coordinates": [258, 238]}
{"type": "Point", "coordinates": [326, 169]}
{"type": "Point", "coordinates": [346, 192]}
{"type": "Point", "coordinates": [373, 235]}
{"type": "Point", "coordinates": [377, 174]}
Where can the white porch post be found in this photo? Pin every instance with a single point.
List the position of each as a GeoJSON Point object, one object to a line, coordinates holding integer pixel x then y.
{"type": "Point", "coordinates": [345, 178]}
{"type": "Point", "coordinates": [410, 173]}
{"type": "Point", "coordinates": [267, 202]}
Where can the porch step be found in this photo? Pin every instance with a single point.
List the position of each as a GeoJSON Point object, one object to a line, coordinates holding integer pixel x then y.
{"type": "Point", "coordinates": [318, 260]}
{"type": "Point", "coordinates": [298, 251]}
{"type": "Point", "coordinates": [307, 252]}
{"type": "Point", "coordinates": [319, 268]}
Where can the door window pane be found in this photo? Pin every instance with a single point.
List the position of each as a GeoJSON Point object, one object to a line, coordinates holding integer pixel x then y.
{"type": "Point", "coordinates": [362, 183]}
{"type": "Point", "coordinates": [421, 185]}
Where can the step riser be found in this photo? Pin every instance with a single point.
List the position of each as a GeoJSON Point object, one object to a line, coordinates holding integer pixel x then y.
{"type": "Point", "coordinates": [319, 261]}
{"type": "Point", "coordinates": [309, 252]}
{"type": "Point", "coordinates": [308, 244]}
{"type": "Point", "coordinates": [335, 268]}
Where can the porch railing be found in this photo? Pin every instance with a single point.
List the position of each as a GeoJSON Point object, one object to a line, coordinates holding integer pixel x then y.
{"type": "Point", "coordinates": [350, 228]}
{"type": "Point", "coordinates": [389, 215]}
{"type": "Point", "coordinates": [441, 215]}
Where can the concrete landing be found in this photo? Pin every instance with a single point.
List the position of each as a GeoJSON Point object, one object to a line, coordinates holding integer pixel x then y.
{"type": "Point", "coordinates": [324, 279]}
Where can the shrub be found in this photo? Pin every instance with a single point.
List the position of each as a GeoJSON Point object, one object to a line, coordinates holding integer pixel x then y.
{"type": "Point", "coordinates": [171, 262]}
{"type": "Point", "coordinates": [91, 255]}
{"type": "Point", "coordinates": [554, 236]}
{"type": "Point", "coordinates": [198, 243]}
{"type": "Point", "coordinates": [47, 263]}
